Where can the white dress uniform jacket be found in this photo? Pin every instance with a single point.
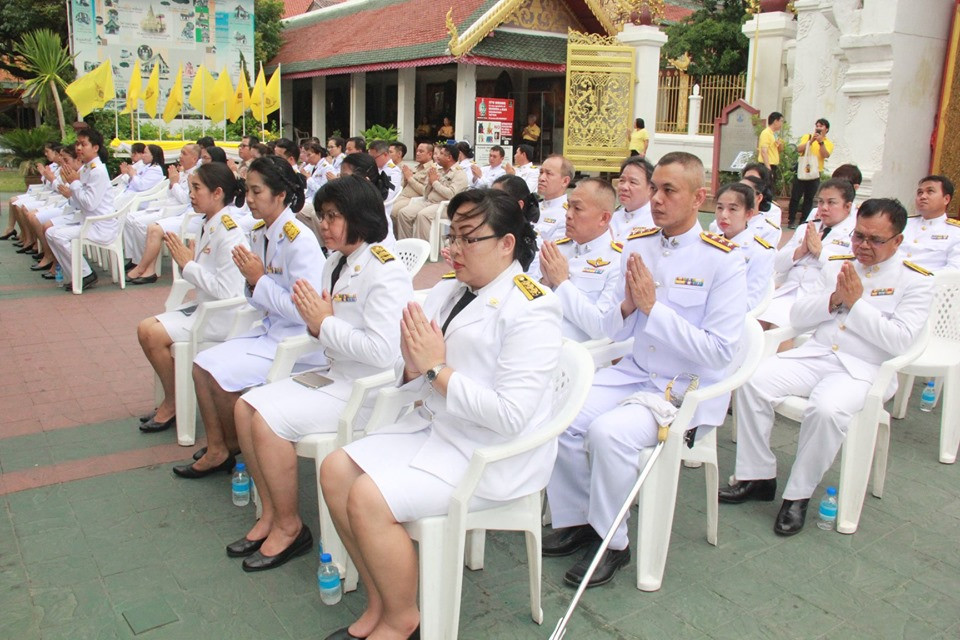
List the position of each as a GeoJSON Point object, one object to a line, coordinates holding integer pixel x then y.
{"type": "Point", "coordinates": [801, 277]}
{"type": "Point", "coordinates": [289, 252]}
{"type": "Point", "coordinates": [623, 222]}
{"type": "Point", "coordinates": [213, 274]}
{"type": "Point", "coordinates": [530, 174]}
{"type": "Point", "coordinates": [552, 224]}
{"type": "Point", "coordinates": [835, 369]}
{"type": "Point", "coordinates": [489, 175]}
{"type": "Point", "coordinates": [933, 244]}
{"type": "Point", "coordinates": [594, 285]}
{"type": "Point", "coordinates": [317, 178]}
{"type": "Point", "coordinates": [758, 255]}
{"type": "Point", "coordinates": [503, 348]}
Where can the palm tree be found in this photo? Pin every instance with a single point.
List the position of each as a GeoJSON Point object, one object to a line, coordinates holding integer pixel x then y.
{"type": "Point", "coordinates": [45, 57]}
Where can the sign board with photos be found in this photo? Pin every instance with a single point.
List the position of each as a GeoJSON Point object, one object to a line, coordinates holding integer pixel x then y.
{"type": "Point", "coordinates": [494, 118]}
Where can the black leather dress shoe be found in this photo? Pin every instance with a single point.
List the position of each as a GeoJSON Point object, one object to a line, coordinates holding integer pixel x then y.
{"type": "Point", "coordinates": [88, 281]}
{"type": "Point", "coordinates": [302, 544]}
{"type": "Point", "coordinates": [191, 472]}
{"type": "Point", "coordinates": [763, 490]}
{"type": "Point", "coordinates": [37, 257]}
{"type": "Point", "coordinates": [563, 542]}
{"type": "Point", "coordinates": [202, 451]}
{"type": "Point", "coordinates": [344, 634]}
{"type": "Point", "coordinates": [791, 517]}
{"type": "Point", "coordinates": [40, 267]}
{"type": "Point", "coordinates": [611, 560]}
{"type": "Point", "coordinates": [28, 249]}
{"type": "Point", "coordinates": [48, 276]}
{"type": "Point", "coordinates": [156, 427]}
{"type": "Point", "coordinates": [147, 417]}
{"type": "Point", "coordinates": [243, 547]}
{"type": "Point", "coordinates": [143, 279]}
{"type": "Point", "coordinates": [7, 236]}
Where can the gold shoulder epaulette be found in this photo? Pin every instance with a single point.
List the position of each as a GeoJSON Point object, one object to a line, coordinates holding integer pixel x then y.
{"type": "Point", "coordinates": [529, 288]}
{"type": "Point", "coordinates": [228, 222]}
{"type": "Point", "coordinates": [642, 232]}
{"type": "Point", "coordinates": [771, 223]}
{"type": "Point", "coordinates": [381, 253]}
{"type": "Point", "coordinates": [842, 256]}
{"type": "Point", "coordinates": [450, 275]}
{"type": "Point", "coordinates": [390, 164]}
{"type": "Point", "coordinates": [260, 224]}
{"type": "Point", "coordinates": [617, 246]}
{"type": "Point", "coordinates": [291, 230]}
{"type": "Point", "coordinates": [953, 221]}
{"type": "Point", "coordinates": [566, 205]}
{"type": "Point", "coordinates": [915, 267]}
{"type": "Point", "coordinates": [563, 241]}
{"type": "Point", "coordinates": [763, 243]}
{"type": "Point", "coordinates": [718, 241]}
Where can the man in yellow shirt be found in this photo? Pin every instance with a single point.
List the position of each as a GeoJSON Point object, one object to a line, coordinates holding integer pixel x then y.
{"type": "Point", "coordinates": [806, 183]}
{"type": "Point", "coordinates": [768, 151]}
{"type": "Point", "coordinates": [639, 139]}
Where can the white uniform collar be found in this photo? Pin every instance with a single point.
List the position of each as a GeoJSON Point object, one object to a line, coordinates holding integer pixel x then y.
{"type": "Point", "coordinates": [558, 201]}
{"type": "Point", "coordinates": [684, 239]}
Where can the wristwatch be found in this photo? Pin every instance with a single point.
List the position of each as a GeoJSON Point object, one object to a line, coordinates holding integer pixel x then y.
{"type": "Point", "coordinates": [432, 374]}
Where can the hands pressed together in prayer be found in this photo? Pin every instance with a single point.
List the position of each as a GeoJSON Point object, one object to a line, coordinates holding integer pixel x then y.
{"type": "Point", "coordinates": [849, 287]}
{"type": "Point", "coordinates": [249, 263]}
{"type": "Point", "coordinates": [421, 342]}
{"type": "Point", "coordinates": [179, 253]}
{"type": "Point", "coordinates": [314, 307]}
{"type": "Point", "coordinates": [554, 267]}
{"type": "Point", "coordinates": [640, 290]}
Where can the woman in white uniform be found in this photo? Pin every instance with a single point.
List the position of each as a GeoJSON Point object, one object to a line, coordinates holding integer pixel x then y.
{"type": "Point", "coordinates": [735, 211]}
{"type": "Point", "coordinates": [283, 251]}
{"type": "Point", "coordinates": [362, 164]}
{"type": "Point", "coordinates": [147, 177]}
{"type": "Point", "coordinates": [209, 267]}
{"type": "Point", "coordinates": [479, 355]}
{"type": "Point", "coordinates": [58, 211]}
{"type": "Point", "coordinates": [357, 323]}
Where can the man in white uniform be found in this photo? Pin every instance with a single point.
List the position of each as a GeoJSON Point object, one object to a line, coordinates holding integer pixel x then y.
{"type": "Point", "coordinates": [555, 176]}
{"type": "Point", "coordinates": [931, 239]}
{"type": "Point", "coordinates": [634, 193]}
{"type": "Point", "coordinates": [684, 303]}
{"type": "Point", "coordinates": [523, 167]}
{"type": "Point", "coordinates": [335, 149]}
{"type": "Point", "coordinates": [815, 244]}
{"type": "Point", "coordinates": [91, 193]}
{"type": "Point", "coordinates": [584, 267]}
{"type": "Point", "coordinates": [485, 176]}
{"type": "Point", "coordinates": [865, 311]}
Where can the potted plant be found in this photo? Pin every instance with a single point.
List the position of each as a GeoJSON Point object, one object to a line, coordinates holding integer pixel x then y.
{"type": "Point", "coordinates": [23, 149]}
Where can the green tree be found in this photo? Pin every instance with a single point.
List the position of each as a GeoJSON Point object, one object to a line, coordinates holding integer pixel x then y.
{"type": "Point", "coordinates": [267, 36]}
{"type": "Point", "coordinates": [23, 16]}
{"type": "Point", "coordinates": [45, 59]}
{"type": "Point", "coordinates": [712, 37]}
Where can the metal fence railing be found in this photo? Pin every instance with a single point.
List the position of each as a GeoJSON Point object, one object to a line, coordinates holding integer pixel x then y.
{"type": "Point", "coordinates": [674, 90]}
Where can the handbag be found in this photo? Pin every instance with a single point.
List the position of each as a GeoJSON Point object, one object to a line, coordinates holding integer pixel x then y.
{"type": "Point", "coordinates": [808, 168]}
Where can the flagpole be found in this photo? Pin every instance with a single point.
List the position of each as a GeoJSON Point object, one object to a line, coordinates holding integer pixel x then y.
{"type": "Point", "coordinates": [203, 103]}
{"type": "Point", "coordinates": [280, 102]}
{"type": "Point", "coordinates": [263, 100]}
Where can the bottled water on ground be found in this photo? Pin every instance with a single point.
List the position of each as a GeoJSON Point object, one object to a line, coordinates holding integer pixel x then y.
{"type": "Point", "coordinates": [59, 275]}
{"type": "Point", "coordinates": [828, 510]}
{"type": "Point", "coordinates": [241, 485]}
{"type": "Point", "coordinates": [928, 398]}
{"type": "Point", "coordinates": [328, 580]}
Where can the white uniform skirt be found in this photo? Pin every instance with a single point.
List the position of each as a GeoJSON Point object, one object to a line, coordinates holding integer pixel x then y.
{"type": "Point", "coordinates": [234, 368]}
{"type": "Point", "coordinates": [778, 313]}
{"type": "Point", "coordinates": [47, 214]}
{"type": "Point", "coordinates": [410, 493]}
{"type": "Point", "coordinates": [294, 411]}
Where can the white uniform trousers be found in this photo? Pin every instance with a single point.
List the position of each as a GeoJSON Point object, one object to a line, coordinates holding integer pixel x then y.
{"type": "Point", "coordinates": [598, 460]}
{"type": "Point", "coordinates": [60, 239]}
{"type": "Point", "coordinates": [834, 397]}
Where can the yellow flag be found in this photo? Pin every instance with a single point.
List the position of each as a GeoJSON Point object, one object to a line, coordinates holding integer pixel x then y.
{"type": "Point", "coordinates": [201, 91]}
{"type": "Point", "coordinates": [152, 93]}
{"type": "Point", "coordinates": [256, 98]}
{"type": "Point", "coordinates": [271, 95]}
{"type": "Point", "coordinates": [133, 91]}
{"type": "Point", "coordinates": [220, 97]}
{"type": "Point", "coordinates": [241, 99]}
{"type": "Point", "coordinates": [175, 99]}
{"type": "Point", "coordinates": [92, 90]}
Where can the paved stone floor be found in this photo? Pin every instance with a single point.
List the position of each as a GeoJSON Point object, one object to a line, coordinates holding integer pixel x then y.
{"type": "Point", "coordinates": [99, 540]}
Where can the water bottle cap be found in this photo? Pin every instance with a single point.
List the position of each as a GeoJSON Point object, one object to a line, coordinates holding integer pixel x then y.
{"type": "Point", "coordinates": [931, 384]}
{"type": "Point", "coordinates": [241, 466]}
{"type": "Point", "coordinates": [831, 491]}
{"type": "Point", "coordinates": [326, 557]}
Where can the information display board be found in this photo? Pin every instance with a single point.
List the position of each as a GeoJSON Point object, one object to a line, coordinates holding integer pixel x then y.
{"type": "Point", "coordinates": [214, 33]}
{"type": "Point", "coordinates": [494, 118]}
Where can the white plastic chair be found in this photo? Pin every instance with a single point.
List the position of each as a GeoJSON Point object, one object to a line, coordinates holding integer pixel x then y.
{"type": "Point", "coordinates": [413, 253]}
{"type": "Point", "coordinates": [443, 546]}
{"type": "Point", "coordinates": [435, 225]}
{"type": "Point", "coordinates": [940, 359]}
{"type": "Point", "coordinates": [658, 494]}
{"type": "Point", "coordinates": [868, 436]}
{"type": "Point", "coordinates": [752, 313]}
{"type": "Point", "coordinates": [114, 248]}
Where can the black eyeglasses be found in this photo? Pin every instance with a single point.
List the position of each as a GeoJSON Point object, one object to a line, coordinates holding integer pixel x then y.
{"type": "Point", "coordinates": [451, 240]}
{"type": "Point", "coordinates": [874, 241]}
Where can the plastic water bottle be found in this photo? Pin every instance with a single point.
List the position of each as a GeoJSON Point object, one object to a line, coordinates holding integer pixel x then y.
{"type": "Point", "coordinates": [59, 275]}
{"type": "Point", "coordinates": [928, 397]}
{"type": "Point", "coordinates": [828, 510]}
{"type": "Point", "coordinates": [241, 485]}
{"type": "Point", "coordinates": [328, 580]}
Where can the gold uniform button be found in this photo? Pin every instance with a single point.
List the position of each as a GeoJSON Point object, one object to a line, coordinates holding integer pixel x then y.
{"type": "Point", "coordinates": [843, 327]}
{"type": "Point", "coordinates": [835, 348]}
{"type": "Point", "coordinates": [653, 375]}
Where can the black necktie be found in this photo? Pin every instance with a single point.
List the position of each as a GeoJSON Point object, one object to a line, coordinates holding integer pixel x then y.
{"type": "Point", "coordinates": [824, 232]}
{"type": "Point", "coordinates": [467, 298]}
{"type": "Point", "coordinates": [336, 272]}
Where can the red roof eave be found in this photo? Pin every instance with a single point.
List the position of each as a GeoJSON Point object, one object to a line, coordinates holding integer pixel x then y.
{"type": "Point", "coordinates": [428, 62]}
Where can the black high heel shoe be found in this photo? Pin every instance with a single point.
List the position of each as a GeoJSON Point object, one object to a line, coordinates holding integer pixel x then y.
{"type": "Point", "coordinates": [11, 234]}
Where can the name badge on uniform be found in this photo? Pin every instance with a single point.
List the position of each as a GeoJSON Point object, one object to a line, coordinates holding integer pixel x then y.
{"type": "Point", "coordinates": [940, 236]}
{"type": "Point", "coordinates": [689, 282]}
{"type": "Point", "coordinates": [882, 292]}
{"type": "Point", "coordinates": [842, 243]}
{"type": "Point", "coordinates": [345, 297]}
{"type": "Point", "coordinates": [592, 270]}
{"type": "Point", "coordinates": [549, 220]}
{"type": "Point", "coordinates": [273, 269]}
